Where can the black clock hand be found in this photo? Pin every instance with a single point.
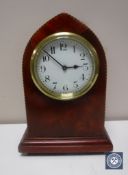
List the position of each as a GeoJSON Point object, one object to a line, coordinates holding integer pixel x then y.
{"type": "Point", "coordinates": [74, 67]}
{"type": "Point", "coordinates": [63, 67]}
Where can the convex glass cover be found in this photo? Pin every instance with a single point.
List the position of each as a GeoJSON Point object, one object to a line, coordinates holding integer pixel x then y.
{"type": "Point", "coordinates": [64, 66]}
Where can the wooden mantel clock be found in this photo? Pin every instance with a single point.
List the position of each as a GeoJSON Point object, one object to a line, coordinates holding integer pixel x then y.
{"type": "Point", "coordinates": [64, 75]}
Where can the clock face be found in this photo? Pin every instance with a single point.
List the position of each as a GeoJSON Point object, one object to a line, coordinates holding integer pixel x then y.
{"type": "Point", "coordinates": [64, 66]}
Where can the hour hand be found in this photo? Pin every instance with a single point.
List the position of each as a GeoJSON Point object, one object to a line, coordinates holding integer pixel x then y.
{"type": "Point", "coordinates": [73, 67]}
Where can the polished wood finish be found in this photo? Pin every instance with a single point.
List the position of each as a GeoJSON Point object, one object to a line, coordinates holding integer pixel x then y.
{"type": "Point", "coordinates": [57, 127]}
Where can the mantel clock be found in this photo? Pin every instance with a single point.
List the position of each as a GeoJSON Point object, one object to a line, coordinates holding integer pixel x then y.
{"type": "Point", "coordinates": [64, 76]}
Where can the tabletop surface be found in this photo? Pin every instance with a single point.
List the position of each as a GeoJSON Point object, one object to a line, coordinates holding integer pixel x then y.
{"type": "Point", "coordinates": [12, 162]}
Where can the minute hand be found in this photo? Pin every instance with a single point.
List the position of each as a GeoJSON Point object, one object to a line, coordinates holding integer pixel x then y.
{"type": "Point", "coordinates": [53, 58]}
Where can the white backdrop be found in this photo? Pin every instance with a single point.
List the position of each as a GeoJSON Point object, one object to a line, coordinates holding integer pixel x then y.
{"type": "Point", "coordinates": [20, 19]}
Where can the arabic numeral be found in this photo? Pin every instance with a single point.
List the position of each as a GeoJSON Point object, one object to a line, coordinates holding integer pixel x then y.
{"type": "Point", "coordinates": [75, 84]}
{"type": "Point", "coordinates": [52, 48]}
{"type": "Point", "coordinates": [83, 77]}
{"type": "Point", "coordinates": [47, 78]}
{"type": "Point", "coordinates": [85, 66]}
{"type": "Point", "coordinates": [74, 48]}
{"type": "Point", "coordinates": [63, 46]}
{"type": "Point", "coordinates": [65, 88]}
{"type": "Point", "coordinates": [82, 54]}
{"type": "Point", "coordinates": [54, 85]}
{"type": "Point", "coordinates": [45, 58]}
{"type": "Point", "coordinates": [42, 69]}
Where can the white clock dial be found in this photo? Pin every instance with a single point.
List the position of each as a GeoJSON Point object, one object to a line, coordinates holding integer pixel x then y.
{"type": "Point", "coordinates": [64, 65]}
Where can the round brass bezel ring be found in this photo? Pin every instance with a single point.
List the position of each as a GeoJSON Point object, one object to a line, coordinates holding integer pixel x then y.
{"type": "Point", "coordinates": [64, 96]}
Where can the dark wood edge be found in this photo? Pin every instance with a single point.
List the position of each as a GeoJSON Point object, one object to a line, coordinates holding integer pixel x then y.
{"type": "Point", "coordinates": [69, 145]}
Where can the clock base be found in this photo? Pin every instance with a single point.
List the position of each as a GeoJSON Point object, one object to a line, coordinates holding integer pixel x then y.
{"type": "Point", "coordinates": [65, 145]}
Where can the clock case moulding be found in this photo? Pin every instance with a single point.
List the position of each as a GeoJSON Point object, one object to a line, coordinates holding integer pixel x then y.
{"type": "Point", "coordinates": [65, 127]}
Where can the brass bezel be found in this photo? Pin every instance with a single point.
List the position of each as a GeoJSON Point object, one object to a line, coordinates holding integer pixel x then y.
{"type": "Point", "coordinates": [64, 96]}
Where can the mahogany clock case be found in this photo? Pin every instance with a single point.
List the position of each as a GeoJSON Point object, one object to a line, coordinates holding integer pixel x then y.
{"type": "Point", "coordinates": [65, 127]}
